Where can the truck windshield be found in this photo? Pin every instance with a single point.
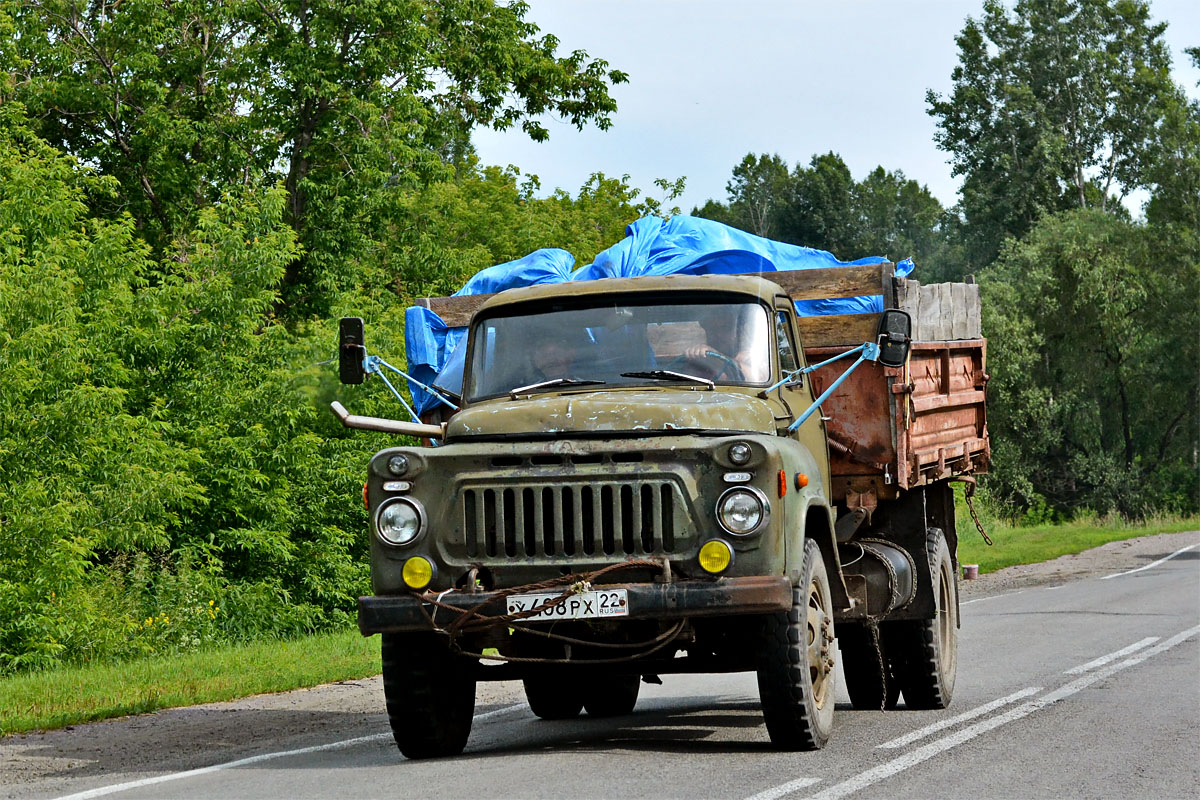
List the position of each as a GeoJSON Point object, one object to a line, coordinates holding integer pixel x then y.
{"type": "Point", "coordinates": [620, 344]}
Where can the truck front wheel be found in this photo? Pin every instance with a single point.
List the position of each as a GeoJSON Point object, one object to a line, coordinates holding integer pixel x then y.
{"type": "Point", "coordinates": [797, 671]}
{"type": "Point", "coordinates": [925, 652]}
{"type": "Point", "coordinates": [430, 694]}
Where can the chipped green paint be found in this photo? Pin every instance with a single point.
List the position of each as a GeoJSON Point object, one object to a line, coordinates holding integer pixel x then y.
{"type": "Point", "coordinates": [616, 411]}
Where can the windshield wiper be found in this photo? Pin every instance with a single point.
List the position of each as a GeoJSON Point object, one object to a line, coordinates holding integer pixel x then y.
{"type": "Point", "coordinates": [552, 382]}
{"type": "Point", "coordinates": [669, 375]}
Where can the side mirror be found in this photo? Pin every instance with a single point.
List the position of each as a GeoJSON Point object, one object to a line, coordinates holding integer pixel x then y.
{"type": "Point", "coordinates": [895, 336]}
{"type": "Point", "coordinates": [352, 350]}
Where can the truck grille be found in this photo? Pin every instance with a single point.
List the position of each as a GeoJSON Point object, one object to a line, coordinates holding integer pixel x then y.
{"type": "Point", "coordinates": [584, 519]}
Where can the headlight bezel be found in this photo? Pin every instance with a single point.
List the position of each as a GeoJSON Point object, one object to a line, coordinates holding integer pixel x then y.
{"type": "Point", "coordinates": [763, 504]}
{"type": "Point", "coordinates": [410, 503]}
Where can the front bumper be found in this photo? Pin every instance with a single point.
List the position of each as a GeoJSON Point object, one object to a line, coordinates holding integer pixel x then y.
{"type": "Point", "coordinates": [665, 601]}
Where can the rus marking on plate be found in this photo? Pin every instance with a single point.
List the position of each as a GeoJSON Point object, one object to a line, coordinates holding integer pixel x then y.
{"type": "Point", "coordinates": [585, 605]}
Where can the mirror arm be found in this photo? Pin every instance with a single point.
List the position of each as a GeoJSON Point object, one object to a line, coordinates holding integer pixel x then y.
{"type": "Point", "coordinates": [387, 425]}
{"type": "Point", "coordinates": [870, 352]}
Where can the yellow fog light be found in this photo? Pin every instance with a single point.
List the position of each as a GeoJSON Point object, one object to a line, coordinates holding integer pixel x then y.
{"type": "Point", "coordinates": [417, 573]}
{"type": "Point", "coordinates": [715, 556]}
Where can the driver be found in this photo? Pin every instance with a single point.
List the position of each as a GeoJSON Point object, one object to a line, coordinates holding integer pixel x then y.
{"type": "Point", "coordinates": [728, 350]}
{"type": "Point", "coordinates": [550, 359]}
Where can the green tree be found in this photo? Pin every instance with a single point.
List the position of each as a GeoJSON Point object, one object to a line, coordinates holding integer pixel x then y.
{"type": "Point", "coordinates": [162, 446]}
{"type": "Point", "coordinates": [897, 217]}
{"type": "Point", "coordinates": [443, 233]}
{"type": "Point", "coordinates": [759, 193]}
{"type": "Point", "coordinates": [80, 473]}
{"type": "Point", "coordinates": [341, 102]}
{"type": "Point", "coordinates": [1057, 104]}
{"type": "Point", "coordinates": [1175, 171]}
{"type": "Point", "coordinates": [822, 206]}
{"type": "Point", "coordinates": [821, 211]}
{"type": "Point", "coordinates": [1091, 322]}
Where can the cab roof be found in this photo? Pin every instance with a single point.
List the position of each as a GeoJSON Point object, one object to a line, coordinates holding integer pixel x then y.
{"type": "Point", "coordinates": [751, 285]}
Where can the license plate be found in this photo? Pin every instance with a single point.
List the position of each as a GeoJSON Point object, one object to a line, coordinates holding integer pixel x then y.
{"type": "Point", "coordinates": [585, 605]}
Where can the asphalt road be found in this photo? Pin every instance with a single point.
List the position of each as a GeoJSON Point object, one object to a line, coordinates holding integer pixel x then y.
{"type": "Point", "coordinates": [1086, 689]}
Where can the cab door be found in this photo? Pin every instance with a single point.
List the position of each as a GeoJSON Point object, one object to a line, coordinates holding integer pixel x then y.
{"type": "Point", "coordinates": [794, 397]}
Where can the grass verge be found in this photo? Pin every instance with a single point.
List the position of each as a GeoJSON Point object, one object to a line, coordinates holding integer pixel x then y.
{"type": "Point", "coordinates": [60, 697]}
{"type": "Point", "coordinates": [1030, 545]}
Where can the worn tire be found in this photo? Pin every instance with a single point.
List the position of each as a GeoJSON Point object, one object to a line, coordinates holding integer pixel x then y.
{"type": "Point", "coordinates": [924, 653]}
{"type": "Point", "coordinates": [797, 671]}
{"type": "Point", "coordinates": [430, 694]}
{"type": "Point", "coordinates": [614, 697]}
{"type": "Point", "coordinates": [550, 697]}
{"type": "Point", "coordinates": [871, 688]}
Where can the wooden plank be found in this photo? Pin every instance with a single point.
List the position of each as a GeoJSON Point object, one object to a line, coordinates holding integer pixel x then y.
{"type": "Point", "coordinates": [837, 329]}
{"type": "Point", "coordinates": [887, 276]}
{"type": "Point", "coordinates": [946, 304]}
{"type": "Point", "coordinates": [455, 311]}
{"type": "Point", "coordinates": [958, 311]}
{"type": "Point", "coordinates": [925, 325]}
{"type": "Point", "coordinates": [908, 298]}
{"type": "Point", "coordinates": [974, 312]}
{"type": "Point", "coordinates": [819, 284]}
{"type": "Point", "coordinates": [800, 284]}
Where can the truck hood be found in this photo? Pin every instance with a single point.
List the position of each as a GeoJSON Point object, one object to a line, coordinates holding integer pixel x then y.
{"type": "Point", "coordinates": [619, 411]}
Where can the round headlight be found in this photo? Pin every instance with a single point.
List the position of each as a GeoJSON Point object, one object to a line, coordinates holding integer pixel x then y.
{"type": "Point", "coordinates": [398, 464]}
{"type": "Point", "coordinates": [399, 522]}
{"type": "Point", "coordinates": [741, 511]}
{"type": "Point", "coordinates": [739, 453]}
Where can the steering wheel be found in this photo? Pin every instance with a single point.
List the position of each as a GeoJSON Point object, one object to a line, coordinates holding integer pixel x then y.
{"type": "Point", "coordinates": [731, 368]}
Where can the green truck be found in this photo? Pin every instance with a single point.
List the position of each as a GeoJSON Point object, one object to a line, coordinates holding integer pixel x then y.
{"type": "Point", "coordinates": [662, 475]}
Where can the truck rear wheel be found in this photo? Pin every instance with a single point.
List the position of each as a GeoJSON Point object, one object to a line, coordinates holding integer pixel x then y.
{"type": "Point", "coordinates": [613, 697]}
{"type": "Point", "coordinates": [550, 697]}
{"type": "Point", "coordinates": [797, 671]}
{"type": "Point", "coordinates": [869, 679]}
{"type": "Point", "coordinates": [430, 694]}
{"type": "Point", "coordinates": [924, 653]}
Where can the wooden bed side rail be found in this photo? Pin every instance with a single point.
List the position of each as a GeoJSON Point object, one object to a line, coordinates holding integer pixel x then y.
{"type": "Point", "coordinates": [800, 284]}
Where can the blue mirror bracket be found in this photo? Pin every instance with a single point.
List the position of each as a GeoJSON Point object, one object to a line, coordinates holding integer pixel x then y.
{"type": "Point", "coordinates": [869, 351]}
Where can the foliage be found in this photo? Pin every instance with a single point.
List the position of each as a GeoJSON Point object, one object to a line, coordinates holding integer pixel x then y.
{"type": "Point", "coordinates": [442, 234]}
{"type": "Point", "coordinates": [343, 103]}
{"type": "Point", "coordinates": [1091, 322]}
{"type": "Point", "coordinates": [1057, 104]}
{"type": "Point", "coordinates": [146, 458]}
{"type": "Point", "coordinates": [822, 206]}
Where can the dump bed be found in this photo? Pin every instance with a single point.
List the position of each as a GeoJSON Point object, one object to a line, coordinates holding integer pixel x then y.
{"type": "Point", "coordinates": [898, 428]}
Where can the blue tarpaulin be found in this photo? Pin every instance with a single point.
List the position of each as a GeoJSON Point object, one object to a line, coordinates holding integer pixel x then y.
{"type": "Point", "coordinates": [652, 246]}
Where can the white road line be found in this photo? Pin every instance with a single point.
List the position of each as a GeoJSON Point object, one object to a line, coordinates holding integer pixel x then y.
{"type": "Point", "coordinates": [241, 762]}
{"type": "Point", "coordinates": [991, 597]}
{"type": "Point", "coordinates": [921, 733]}
{"type": "Point", "coordinates": [1102, 660]}
{"type": "Point", "coordinates": [785, 788]}
{"type": "Point", "coordinates": [928, 751]}
{"type": "Point", "coordinates": [1152, 563]}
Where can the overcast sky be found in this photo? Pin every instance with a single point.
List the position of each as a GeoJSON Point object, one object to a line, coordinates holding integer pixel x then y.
{"type": "Point", "coordinates": [712, 80]}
